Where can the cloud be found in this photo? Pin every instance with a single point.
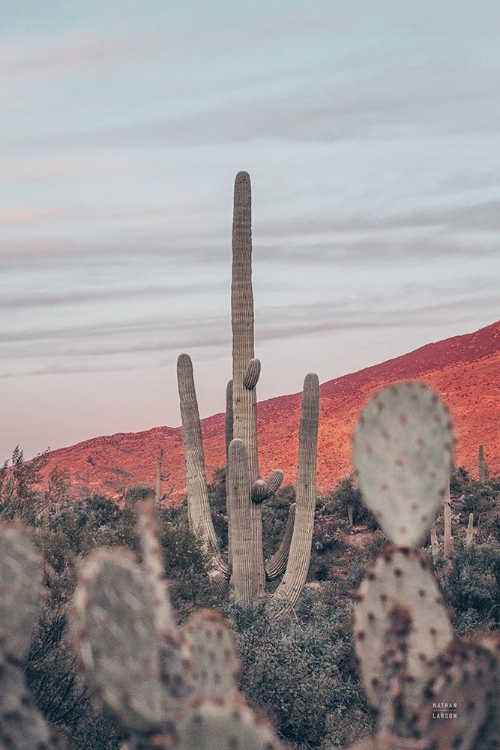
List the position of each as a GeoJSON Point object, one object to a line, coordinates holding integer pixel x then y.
{"type": "Point", "coordinates": [87, 295]}
{"type": "Point", "coordinates": [432, 229]}
{"type": "Point", "coordinates": [52, 57]}
{"type": "Point", "coordinates": [28, 216]}
{"type": "Point", "coordinates": [404, 311]}
{"type": "Point", "coordinates": [433, 95]}
{"type": "Point", "coordinates": [131, 344]}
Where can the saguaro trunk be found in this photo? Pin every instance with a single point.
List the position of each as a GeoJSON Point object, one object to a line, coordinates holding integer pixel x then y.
{"type": "Point", "coordinates": [447, 524]}
{"type": "Point", "coordinates": [242, 320]}
{"type": "Point", "coordinates": [243, 559]}
{"type": "Point", "coordinates": [482, 465]}
{"type": "Point", "coordinates": [200, 518]}
{"type": "Point", "coordinates": [300, 549]}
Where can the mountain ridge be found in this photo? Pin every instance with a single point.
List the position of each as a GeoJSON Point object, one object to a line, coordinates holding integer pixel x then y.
{"type": "Point", "coordinates": [464, 370]}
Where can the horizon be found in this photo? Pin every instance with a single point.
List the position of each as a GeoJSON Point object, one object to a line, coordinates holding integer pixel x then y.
{"type": "Point", "coordinates": [370, 136]}
{"type": "Point", "coordinates": [271, 398]}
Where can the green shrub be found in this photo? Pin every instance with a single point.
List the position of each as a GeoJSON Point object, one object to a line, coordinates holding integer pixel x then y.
{"type": "Point", "coordinates": [346, 495]}
{"type": "Point", "coordinates": [300, 671]}
{"type": "Point", "coordinates": [459, 481]}
{"type": "Point", "coordinates": [471, 585]}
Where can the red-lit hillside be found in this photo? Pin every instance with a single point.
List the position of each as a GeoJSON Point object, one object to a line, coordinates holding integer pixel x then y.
{"type": "Point", "coordinates": [465, 370]}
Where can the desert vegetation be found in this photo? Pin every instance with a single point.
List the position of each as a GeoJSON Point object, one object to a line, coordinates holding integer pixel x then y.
{"type": "Point", "coordinates": [299, 669]}
{"type": "Point", "coordinates": [136, 625]}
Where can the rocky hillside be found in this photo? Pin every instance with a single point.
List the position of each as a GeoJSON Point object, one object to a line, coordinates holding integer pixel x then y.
{"type": "Point", "coordinates": [465, 370]}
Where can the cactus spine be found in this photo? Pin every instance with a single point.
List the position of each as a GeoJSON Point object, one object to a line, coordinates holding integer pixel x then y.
{"type": "Point", "coordinates": [246, 489]}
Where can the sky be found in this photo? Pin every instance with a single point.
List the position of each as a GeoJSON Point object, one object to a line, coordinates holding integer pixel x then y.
{"type": "Point", "coordinates": [370, 132]}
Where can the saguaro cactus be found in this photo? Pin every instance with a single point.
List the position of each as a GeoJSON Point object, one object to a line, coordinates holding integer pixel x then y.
{"type": "Point", "coordinates": [447, 523]}
{"type": "Point", "coordinates": [469, 536]}
{"type": "Point", "coordinates": [160, 477]}
{"type": "Point", "coordinates": [482, 466]}
{"type": "Point", "coordinates": [410, 665]}
{"type": "Point", "coordinates": [244, 500]}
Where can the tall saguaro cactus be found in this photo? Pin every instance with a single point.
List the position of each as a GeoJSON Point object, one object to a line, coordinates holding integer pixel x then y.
{"type": "Point", "coordinates": [246, 489]}
{"type": "Point", "coordinates": [246, 368]}
{"type": "Point", "coordinates": [242, 320]}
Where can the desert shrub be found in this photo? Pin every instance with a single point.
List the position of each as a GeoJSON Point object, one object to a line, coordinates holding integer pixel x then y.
{"type": "Point", "coordinates": [101, 511]}
{"type": "Point", "coordinates": [471, 496]}
{"type": "Point", "coordinates": [274, 518]}
{"type": "Point", "coordinates": [20, 482]}
{"type": "Point", "coordinates": [300, 671]}
{"type": "Point", "coordinates": [185, 564]}
{"type": "Point", "coordinates": [459, 481]}
{"type": "Point", "coordinates": [488, 523]}
{"type": "Point", "coordinates": [138, 492]}
{"type": "Point", "coordinates": [347, 495]}
{"type": "Point", "coordinates": [479, 498]}
{"type": "Point", "coordinates": [471, 585]}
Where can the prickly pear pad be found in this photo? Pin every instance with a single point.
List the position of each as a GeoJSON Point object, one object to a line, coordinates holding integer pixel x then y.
{"type": "Point", "coordinates": [21, 590]}
{"type": "Point", "coordinates": [403, 448]}
{"type": "Point", "coordinates": [459, 696]}
{"type": "Point", "coordinates": [225, 725]}
{"type": "Point", "coordinates": [116, 639]}
{"type": "Point", "coordinates": [22, 725]}
{"type": "Point", "coordinates": [212, 647]}
{"type": "Point", "coordinates": [399, 578]}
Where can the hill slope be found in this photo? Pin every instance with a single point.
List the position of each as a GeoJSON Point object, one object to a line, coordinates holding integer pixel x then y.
{"type": "Point", "coordinates": [465, 370]}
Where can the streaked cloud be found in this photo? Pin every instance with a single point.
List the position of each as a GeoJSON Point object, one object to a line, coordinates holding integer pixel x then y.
{"type": "Point", "coordinates": [22, 216]}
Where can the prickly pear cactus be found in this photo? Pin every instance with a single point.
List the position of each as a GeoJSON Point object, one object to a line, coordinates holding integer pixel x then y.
{"type": "Point", "coordinates": [430, 693]}
{"type": "Point", "coordinates": [403, 447]}
{"type": "Point", "coordinates": [400, 578]}
{"type": "Point", "coordinates": [22, 726]}
{"type": "Point", "coordinates": [225, 725]}
{"type": "Point", "coordinates": [169, 687]}
{"type": "Point", "coordinates": [459, 696]}
{"type": "Point", "coordinates": [21, 592]}
{"type": "Point", "coordinates": [114, 627]}
{"type": "Point", "coordinates": [212, 650]}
